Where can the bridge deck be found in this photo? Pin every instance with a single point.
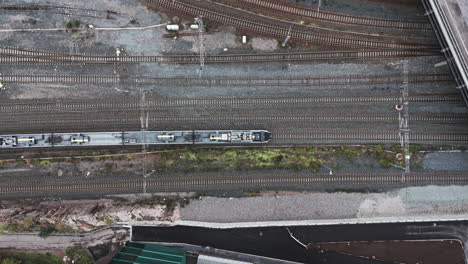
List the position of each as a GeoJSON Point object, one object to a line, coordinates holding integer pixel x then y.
{"type": "Point", "coordinates": [450, 21]}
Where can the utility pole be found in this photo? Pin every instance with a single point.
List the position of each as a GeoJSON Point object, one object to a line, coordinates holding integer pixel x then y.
{"type": "Point", "coordinates": [201, 44]}
{"type": "Point", "coordinates": [288, 37]}
{"type": "Point", "coordinates": [144, 128]}
{"type": "Point", "coordinates": [403, 120]}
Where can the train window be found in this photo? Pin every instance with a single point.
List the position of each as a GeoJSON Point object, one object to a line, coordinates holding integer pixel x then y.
{"type": "Point", "coordinates": [131, 141]}
{"type": "Point", "coordinates": [166, 137]}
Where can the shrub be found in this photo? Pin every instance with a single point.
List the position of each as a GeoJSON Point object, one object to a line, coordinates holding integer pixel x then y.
{"type": "Point", "coordinates": [46, 230]}
{"type": "Point", "coordinates": [73, 24]}
{"type": "Point", "coordinates": [29, 258]}
{"type": "Point", "coordinates": [80, 256]}
{"type": "Point", "coordinates": [10, 261]}
{"type": "Point", "coordinates": [379, 148]}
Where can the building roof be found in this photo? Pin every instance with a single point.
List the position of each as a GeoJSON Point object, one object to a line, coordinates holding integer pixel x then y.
{"type": "Point", "coordinates": [137, 253]}
{"type": "Point", "coordinates": [205, 259]}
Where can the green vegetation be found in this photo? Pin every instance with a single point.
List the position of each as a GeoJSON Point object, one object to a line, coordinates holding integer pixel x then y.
{"type": "Point", "coordinates": [207, 26]}
{"type": "Point", "coordinates": [108, 167]}
{"type": "Point", "coordinates": [172, 203]}
{"type": "Point", "coordinates": [310, 158]}
{"type": "Point", "coordinates": [29, 258]}
{"type": "Point", "coordinates": [80, 256]}
{"type": "Point", "coordinates": [28, 225]}
{"type": "Point", "coordinates": [46, 230]}
{"type": "Point", "coordinates": [107, 219]}
{"type": "Point", "coordinates": [23, 226]}
{"type": "Point", "coordinates": [414, 148]}
{"type": "Point", "coordinates": [73, 24]}
{"type": "Point", "coordinates": [299, 158]}
{"type": "Point", "coordinates": [183, 202]}
{"type": "Point", "coordinates": [396, 148]}
{"type": "Point", "coordinates": [30, 21]}
{"type": "Point", "coordinates": [45, 163]}
{"type": "Point", "coordinates": [10, 261]}
{"type": "Point", "coordinates": [169, 202]}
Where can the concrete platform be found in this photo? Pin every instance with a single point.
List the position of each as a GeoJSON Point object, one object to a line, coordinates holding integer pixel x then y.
{"type": "Point", "coordinates": [449, 19]}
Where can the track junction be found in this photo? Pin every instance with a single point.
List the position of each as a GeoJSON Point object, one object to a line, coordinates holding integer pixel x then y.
{"type": "Point", "coordinates": [294, 119]}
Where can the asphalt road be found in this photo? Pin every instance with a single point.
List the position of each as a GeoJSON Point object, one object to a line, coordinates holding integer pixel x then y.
{"type": "Point", "coordinates": [275, 241]}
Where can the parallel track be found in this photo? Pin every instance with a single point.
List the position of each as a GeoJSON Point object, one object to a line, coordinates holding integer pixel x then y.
{"type": "Point", "coordinates": [313, 14]}
{"type": "Point", "coordinates": [364, 137]}
{"type": "Point", "coordinates": [133, 104]}
{"type": "Point", "coordinates": [131, 120]}
{"type": "Point", "coordinates": [280, 30]}
{"type": "Point", "coordinates": [238, 181]}
{"type": "Point", "coordinates": [9, 56]}
{"type": "Point", "coordinates": [112, 80]}
{"type": "Point", "coordinates": [245, 117]}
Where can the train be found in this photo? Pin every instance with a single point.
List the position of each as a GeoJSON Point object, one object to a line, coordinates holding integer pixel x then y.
{"type": "Point", "coordinates": [128, 138]}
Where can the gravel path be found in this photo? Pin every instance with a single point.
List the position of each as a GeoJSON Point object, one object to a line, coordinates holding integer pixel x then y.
{"type": "Point", "coordinates": [33, 241]}
{"type": "Point", "coordinates": [414, 201]}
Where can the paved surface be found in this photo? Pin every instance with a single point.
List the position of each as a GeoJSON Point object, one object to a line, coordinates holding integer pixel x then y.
{"type": "Point", "coordinates": [275, 242]}
{"type": "Point", "coordinates": [33, 241]}
{"type": "Point", "coordinates": [430, 203]}
{"type": "Point", "coordinates": [327, 222]}
{"type": "Point", "coordinates": [360, 207]}
{"type": "Point", "coordinates": [440, 161]}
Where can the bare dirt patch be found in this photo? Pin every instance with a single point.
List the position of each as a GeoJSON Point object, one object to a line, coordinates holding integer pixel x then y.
{"type": "Point", "coordinates": [427, 252]}
{"type": "Point", "coordinates": [85, 215]}
{"type": "Point", "coordinates": [264, 44]}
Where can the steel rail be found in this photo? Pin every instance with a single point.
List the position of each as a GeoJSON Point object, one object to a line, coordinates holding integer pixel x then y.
{"type": "Point", "coordinates": [42, 53]}
{"type": "Point", "coordinates": [313, 14]}
{"type": "Point", "coordinates": [115, 79]}
{"type": "Point", "coordinates": [55, 59]}
{"type": "Point", "coordinates": [272, 28]}
{"type": "Point", "coordinates": [363, 137]}
{"type": "Point", "coordinates": [243, 181]}
{"type": "Point", "coordinates": [247, 116]}
{"type": "Point", "coordinates": [43, 106]}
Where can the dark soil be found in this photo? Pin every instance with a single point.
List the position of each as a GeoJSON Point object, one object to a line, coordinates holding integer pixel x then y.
{"type": "Point", "coordinates": [427, 252]}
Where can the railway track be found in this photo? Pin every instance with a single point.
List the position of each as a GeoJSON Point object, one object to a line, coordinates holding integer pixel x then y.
{"type": "Point", "coordinates": [364, 137]}
{"type": "Point", "coordinates": [281, 29]}
{"type": "Point", "coordinates": [207, 182]}
{"type": "Point", "coordinates": [129, 104]}
{"type": "Point", "coordinates": [187, 116]}
{"type": "Point", "coordinates": [313, 14]}
{"type": "Point", "coordinates": [116, 121]}
{"type": "Point", "coordinates": [217, 120]}
{"type": "Point", "coordinates": [63, 10]}
{"type": "Point", "coordinates": [114, 80]}
{"type": "Point", "coordinates": [6, 58]}
{"type": "Point", "coordinates": [278, 118]}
